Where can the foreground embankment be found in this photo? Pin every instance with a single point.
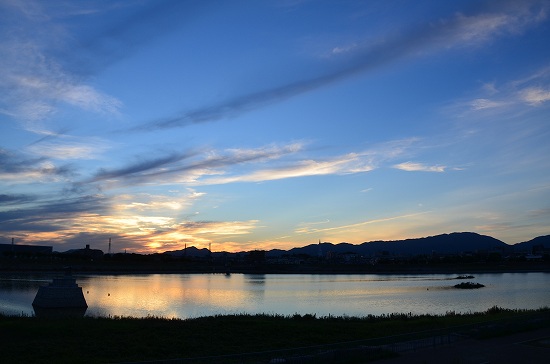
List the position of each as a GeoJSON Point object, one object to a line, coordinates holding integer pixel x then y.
{"type": "Point", "coordinates": [220, 338]}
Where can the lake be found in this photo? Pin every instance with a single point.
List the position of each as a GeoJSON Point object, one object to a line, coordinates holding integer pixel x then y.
{"type": "Point", "coordinates": [196, 295]}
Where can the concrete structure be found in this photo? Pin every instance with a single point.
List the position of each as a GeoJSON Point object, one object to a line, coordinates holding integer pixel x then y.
{"type": "Point", "coordinates": [62, 293]}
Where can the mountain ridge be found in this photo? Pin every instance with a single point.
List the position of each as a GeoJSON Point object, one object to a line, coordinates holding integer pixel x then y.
{"type": "Point", "coordinates": [448, 243]}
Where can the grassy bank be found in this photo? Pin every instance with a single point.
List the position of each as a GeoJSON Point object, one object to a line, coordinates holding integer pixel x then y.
{"type": "Point", "coordinates": [101, 340]}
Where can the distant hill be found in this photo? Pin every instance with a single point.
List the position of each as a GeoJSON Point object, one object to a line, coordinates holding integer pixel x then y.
{"type": "Point", "coordinates": [453, 243]}
{"type": "Point", "coordinates": [190, 252]}
{"type": "Point", "coordinates": [441, 244]}
{"type": "Point", "coordinates": [528, 245]}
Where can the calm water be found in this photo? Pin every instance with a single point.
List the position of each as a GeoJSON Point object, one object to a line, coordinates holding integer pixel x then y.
{"type": "Point", "coordinates": [195, 295]}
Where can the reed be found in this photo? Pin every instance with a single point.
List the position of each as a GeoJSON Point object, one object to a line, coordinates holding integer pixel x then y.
{"type": "Point", "coordinates": [125, 339]}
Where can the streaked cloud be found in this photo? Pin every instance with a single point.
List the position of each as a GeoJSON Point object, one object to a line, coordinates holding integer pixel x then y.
{"type": "Point", "coordinates": [191, 166]}
{"type": "Point", "coordinates": [350, 227]}
{"type": "Point", "coordinates": [480, 104]}
{"type": "Point", "coordinates": [345, 164]}
{"type": "Point", "coordinates": [10, 199]}
{"type": "Point", "coordinates": [461, 30]}
{"type": "Point", "coordinates": [52, 215]}
{"type": "Point", "coordinates": [15, 166]}
{"type": "Point", "coordinates": [34, 82]}
{"type": "Point", "coordinates": [147, 202]}
{"type": "Point", "coordinates": [418, 167]}
{"type": "Point", "coordinates": [508, 96]}
{"type": "Point", "coordinates": [247, 165]}
{"type": "Point", "coordinates": [198, 233]}
{"type": "Point", "coordinates": [535, 95]}
{"type": "Point", "coordinates": [69, 148]}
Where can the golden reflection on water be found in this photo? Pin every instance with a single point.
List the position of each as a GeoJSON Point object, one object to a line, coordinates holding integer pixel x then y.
{"type": "Point", "coordinates": [169, 295]}
{"type": "Point", "coordinates": [160, 295]}
{"type": "Point", "coordinates": [194, 295]}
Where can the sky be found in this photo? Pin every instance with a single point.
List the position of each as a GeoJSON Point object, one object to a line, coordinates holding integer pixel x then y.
{"type": "Point", "coordinates": [241, 124]}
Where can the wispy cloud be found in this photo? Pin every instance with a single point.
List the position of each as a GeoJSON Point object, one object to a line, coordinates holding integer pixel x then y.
{"type": "Point", "coordinates": [7, 200]}
{"type": "Point", "coordinates": [151, 203]}
{"type": "Point", "coordinates": [535, 95]}
{"type": "Point", "coordinates": [34, 81]}
{"type": "Point", "coordinates": [461, 30]}
{"type": "Point", "coordinates": [138, 23]}
{"type": "Point", "coordinates": [33, 88]}
{"type": "Point", "coordinates": [508, 96]}
{"type": "Point", "coordinates": [351, 163]}
{"type": "Point", "coordinates": [18, 167]}
{"type": "Point", "coordinates": [139, 222]}
{"type": "Point", "coordinates": [312, 230]}
{"type": "Point", "coordinates": [190, 166]}
{"type": "Point", "coordinates": [65, 148]}
{"type": "Point", "coordinates": [418, 167]}
{"type": "Point", "coordinates": [247, 165]}
{"type": "Point", "coordinates": [52, 215]}
{"type": "Point", "coordinates": [480, 104]}
{"type": "Point", "coordinates": [197, 233]}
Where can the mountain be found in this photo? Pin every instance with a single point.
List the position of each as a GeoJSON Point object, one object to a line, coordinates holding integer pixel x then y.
{"type": "Point", "coordinates": [440, 244]}
{"type": "Point", "coordinates": [453, 243]}
{"type": "Point", "coordinates": [528, 245]}
{"type": "Point", "coordinates": [190, 252]}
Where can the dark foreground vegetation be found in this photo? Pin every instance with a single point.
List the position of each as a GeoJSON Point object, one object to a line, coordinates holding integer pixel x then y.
{"type": "Point", "coordinates": [135, 263]}
{"type": "Point", "coordinates": [124, 339]}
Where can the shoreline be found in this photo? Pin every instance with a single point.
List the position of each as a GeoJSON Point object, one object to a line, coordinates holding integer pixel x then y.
{"type": "Point", "coordinates": [204, 268]}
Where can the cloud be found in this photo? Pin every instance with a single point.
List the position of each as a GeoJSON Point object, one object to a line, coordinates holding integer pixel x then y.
{"type": "Point", "coordinates": [34, 90]}
{"type": "Point", "coordinates": [138, 222]}
{"type": "Point", "coordinates": [310, 230]}
{"type": "Point", "coordinates": [46, 215]}
{"type": "Point", "coordinates": [480, 104]}
{"type": "Point", "coordinates": [141, 169]}
{"type": "Point", "coordinates": [346, 164]}
{"type": "Point", "coordinates": [511, 96]}
{"type": "Point", "coordinates": [418, 167]}
{"type": "Point", "coordinates": [359, 162]}
{"type": "Point", "coordinates": [16, 166]}
{"type": "Point", "coordinates": [540, 213]}
{"type": "Point", "coordinates": [54, 147]}
{"type": "Point", "coordinates": [34, 80]}
{"type": "Point", "coordinates": [6, 200]}
{"type": "Point", "coordinates": [247, 165]}
{"type": "Point", "coordinates": [196, 233]}
{"type": "Point", "coordinates": [152, 203]}
{"type": "Point", "coordinates": [458, 31]}
{"type": "Point", "coordinates": [188, 167]}
{"type": "Point", "coordinates": [137, 23]}
{"type": "Point", "coordinates": [535, 95]}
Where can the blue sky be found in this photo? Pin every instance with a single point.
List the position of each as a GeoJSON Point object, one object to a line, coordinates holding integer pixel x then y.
{"type": "Point", "coordinates": [272, 124]}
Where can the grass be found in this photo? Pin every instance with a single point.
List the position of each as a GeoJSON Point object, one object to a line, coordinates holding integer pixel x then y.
{"type": "Point", "coordinates": [126, 339]}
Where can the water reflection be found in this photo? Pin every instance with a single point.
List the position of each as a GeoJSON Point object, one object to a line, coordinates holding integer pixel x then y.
{"type": "Point", "coordinates": [166, 295]}
{"type": "Point", "coordinates": [194, 295]}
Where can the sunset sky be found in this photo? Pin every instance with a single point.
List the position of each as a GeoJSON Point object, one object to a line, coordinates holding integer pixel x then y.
{"type": "Point", "coordinates": [272, 124]}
